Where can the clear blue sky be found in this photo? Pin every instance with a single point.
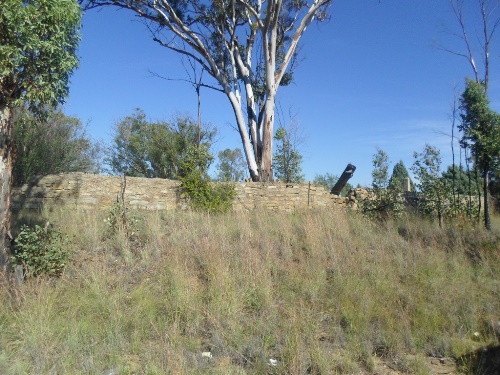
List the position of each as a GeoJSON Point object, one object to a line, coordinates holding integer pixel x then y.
{"type": "Point", "coordinates": [370, 77]}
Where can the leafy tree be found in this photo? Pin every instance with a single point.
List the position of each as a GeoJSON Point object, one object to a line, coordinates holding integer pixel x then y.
{"type": "Point", "coordinates": [387, 200]}
{"type": "Point", "coordinates": [329, 180]}
{"type": "Point", "coordinates": [481, 134]}
{"type": "Point", "coordinates": [231, 165]}
{"type": "Point", "coordinates": [155, 149]}
{"type": "Point", "coordinates": [435, 191]}
{"type": "Point", "coordinates": [247, 47]}
{"type": "Point", "coordinates": [465, 183]}
{"type": "Point", "coordinates": [38, 42]}
{"type": "Point", "coordinates": [380, 173]}
{"type": "Point", "coordinates": [398, 177]}
{"type": "Point", "coordinates": [55, 144]}
{"type": "Point", "coordinates": [287, 159]}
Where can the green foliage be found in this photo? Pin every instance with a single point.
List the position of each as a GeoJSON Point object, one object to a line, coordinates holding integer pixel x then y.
{"type": "Point", "coordinates": [464, 182]}
{"type": "Point", "coordinates": [206, 196]}
{"type": "Point", "coordinates": [380, 173]}
{"type": "Point", "coordinates": [55, 144]}
{"type": "Point", "coordinates": [38, 42]}
{"type": "Point", "coordinates": [481, 133]}
{"type": "Point", "coordinates": [480, 125]}
{"type": "Point", "coordinates": [41, 251]}
{"type": "Point", "coordinates": [386, 200]}
{"type": "Point", "coordinates": [329, 180]}
{"type": "Point", "coordinates": [155, 149]}
{"type": "Point", "coordinates": [122, 220]}
{"type": "Point", "coordinates": [398, 177]}
{"type": "Point", "coordinates": [231, 165]}
{"type": "Point", "coordinates": [203, 195]}
{"type": "Point", "coordinates": [434, 190]}
{"type": "Point", "coordinates": [287, 160]}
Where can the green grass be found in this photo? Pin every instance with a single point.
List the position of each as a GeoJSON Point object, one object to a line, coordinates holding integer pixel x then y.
{"type": "Point", "coordinates": [321, 292]}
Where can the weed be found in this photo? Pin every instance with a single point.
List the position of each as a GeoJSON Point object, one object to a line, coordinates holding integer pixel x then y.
{"type": "Point", "coordinates": [41, 251]}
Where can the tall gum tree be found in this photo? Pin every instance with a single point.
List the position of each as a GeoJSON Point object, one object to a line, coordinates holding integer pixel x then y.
{"type": "Point", "coordinates": [38, 41]}
{"type": "Point", "coordinates": [478, 22]}
{"type": "Point", "coordinates": [247, 46]}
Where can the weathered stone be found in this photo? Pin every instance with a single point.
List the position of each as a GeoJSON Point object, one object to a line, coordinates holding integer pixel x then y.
{"type": "Point", "coordinates": [95, 191]}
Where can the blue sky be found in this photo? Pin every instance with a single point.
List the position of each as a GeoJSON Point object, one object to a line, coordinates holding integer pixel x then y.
{"type": "Point", "coordinates": [369, 77]}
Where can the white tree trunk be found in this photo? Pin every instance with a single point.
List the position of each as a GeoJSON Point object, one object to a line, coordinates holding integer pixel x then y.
{"type": "Point", "coordinates": [245, 139]}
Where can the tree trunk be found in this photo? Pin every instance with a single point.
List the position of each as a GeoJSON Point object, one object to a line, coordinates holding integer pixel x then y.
{"type": "Point", "coordinates": [486, 187]}
{"type": "Point", "coordinates": [6, 164]}
{"type": "Point", "coordinates": [245, 139]}
{"type": "Point", "coordinates": [266, 162]}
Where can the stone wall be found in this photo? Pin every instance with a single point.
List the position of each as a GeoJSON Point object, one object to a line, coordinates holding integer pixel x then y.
{"type": "Point", "coordinates": [101, 192]}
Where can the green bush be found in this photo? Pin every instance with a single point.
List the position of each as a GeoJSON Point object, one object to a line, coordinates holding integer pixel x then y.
{"type": "Point", "coordinates": [206, 196]}
{"type": "Point", "coordinates": [195, 183]}
{"type": "Point", "coordinates": [384, 204]}
{"type": "Point", "coordinates": [41, 251]}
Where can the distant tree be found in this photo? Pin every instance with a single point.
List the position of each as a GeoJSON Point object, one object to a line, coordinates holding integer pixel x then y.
{"type": "Point", "coordinates": [55, 144]}
{"type": "Point", "coordinates": [387, 200]}
{"type": "Point", "coordinates": [231, 165]}
{"type": "Point", "coordinates": [465, 183]}
{"type": "Point", "coordinates": [38, 42]}
{"type": "Point", "coordinates": [154, 149]}
{"type": "Point", "coordinates": [481, 134]}
{"type": "Point", "coordinates": [380, 173]}
{"type": "Point", "coordinates": [435, 191]}
{"type": "Point", "coordinates": [398, 177]}
{"type": "Point", "coordinates": [329, 180]}
{"type": "Point", "coordinates": [287, 159]}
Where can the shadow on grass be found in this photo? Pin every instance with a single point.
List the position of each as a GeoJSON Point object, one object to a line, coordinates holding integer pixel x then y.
{"type": "Point", "coordinates": [484, 361]}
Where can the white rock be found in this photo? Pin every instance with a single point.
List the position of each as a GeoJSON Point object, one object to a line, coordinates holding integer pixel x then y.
{"type": "Point", "coordinates": [206, 354]}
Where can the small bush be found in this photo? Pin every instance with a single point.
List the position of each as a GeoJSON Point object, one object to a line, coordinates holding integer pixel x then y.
{"type": "Point", "coordinates": [121, 219]}
{"type": "Point", "coordinates": [206, 196]}
{"type": "Point", "coordinates": [41, 251]}
{"type": "Point", "coordinates": [384, 204]}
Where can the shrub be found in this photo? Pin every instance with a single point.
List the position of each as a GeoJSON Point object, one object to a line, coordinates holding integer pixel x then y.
{"type": "Point", "coordinates": [206, 196]}
{"type": "Point", "coordinates": [41, 251]}
{"type": "Point", "coordinates": [195, 183]}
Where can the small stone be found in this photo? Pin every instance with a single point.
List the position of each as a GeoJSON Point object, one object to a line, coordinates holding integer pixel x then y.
{"type": "Point", "coordinates": [206, 354]}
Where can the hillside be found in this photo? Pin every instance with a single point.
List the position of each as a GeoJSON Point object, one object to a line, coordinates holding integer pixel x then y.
{"type": "Point", "coordinates": [314, 292]}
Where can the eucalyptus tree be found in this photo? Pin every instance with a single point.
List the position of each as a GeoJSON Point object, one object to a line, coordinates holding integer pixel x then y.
{"type": "Point", "coordinates": [38, 42]}
{"type": "Point", "coordinates": [247, 46]}
{"type": "Point", "coordinates": [481, 134]}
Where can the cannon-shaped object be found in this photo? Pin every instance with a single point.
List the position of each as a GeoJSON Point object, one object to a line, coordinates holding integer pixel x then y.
{"type": "Point", "coordinates": [348, 172]}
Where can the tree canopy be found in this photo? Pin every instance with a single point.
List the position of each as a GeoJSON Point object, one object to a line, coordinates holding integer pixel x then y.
{"type": "Point", "coordinates": [398, 176]}
{"type": "Point", "coordinates": [231, 166]}
{"type": "Point", "coordinates": [155, 149]}
{"type": "Point", "coordinates": [480, 128]}
{"type": "Point", "coordinates": [248, 47]}
{"type": "Point", "coordinates": [38, 42]}
{"type": "Point", "coordinates": [55, 144]}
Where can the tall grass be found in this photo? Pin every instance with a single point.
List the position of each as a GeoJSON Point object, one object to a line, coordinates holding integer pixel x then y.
{"type": "Point", "coordinates": [320, 292]}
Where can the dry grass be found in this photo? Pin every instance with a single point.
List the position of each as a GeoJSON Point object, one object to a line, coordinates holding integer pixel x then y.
{"type": "Point", "coordinates": [320, 292]}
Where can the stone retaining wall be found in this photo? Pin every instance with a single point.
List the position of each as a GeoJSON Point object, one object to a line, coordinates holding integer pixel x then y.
{"type": "Point", "coordinates": [101, 192]}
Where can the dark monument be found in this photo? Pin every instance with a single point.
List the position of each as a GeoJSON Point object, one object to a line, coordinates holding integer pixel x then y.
{"type": "Point", "coordinates": [348, 172]}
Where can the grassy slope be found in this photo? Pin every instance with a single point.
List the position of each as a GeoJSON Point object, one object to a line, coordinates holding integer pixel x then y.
{"type": "Point", "coordinates": [320, 292]}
